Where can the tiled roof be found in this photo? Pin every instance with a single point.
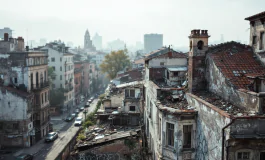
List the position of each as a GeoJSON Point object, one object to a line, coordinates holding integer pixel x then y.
{"type": "Point", "coordinates": [139, 61]}
{"type": "Point", "coordinates": [236, 62]}
{"type": "Point", "coordinates": [164, 53]}
{"type": "Point", "coordinates": [259, 15]}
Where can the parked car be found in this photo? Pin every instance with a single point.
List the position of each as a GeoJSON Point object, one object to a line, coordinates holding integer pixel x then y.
{"type": "Point", "coordinates": [90, 100]}
{"type": "Point", "coordinates": [77, 111]}
{"type": "Point", "coordinates": [51, 136]}
{"type": "Point", "coordinates": [78, 121]}
{"type": "Point", "coordinates": [74, 114]}
{"type": "Point", "coordinates": [70, 118]}
{"type": "Point", "coordinates": [87, 104]}
{"type": "Point", "coordinates": [24, 156]}
{"type": "Point", "coordinates": [81, 108]}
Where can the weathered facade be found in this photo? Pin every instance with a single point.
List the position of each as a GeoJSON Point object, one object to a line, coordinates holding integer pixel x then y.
{"type": "Point", "coordinates": [225, 88]}
{"type": "Point", "coordinates": [26, 73]}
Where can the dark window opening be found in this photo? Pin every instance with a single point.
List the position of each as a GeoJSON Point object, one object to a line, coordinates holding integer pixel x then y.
{"type": "Point", "coordinates": [262, 155]}
{"type": "Point", "coordinates": [187, 136]}
{"type": "Point", "coordinates": [53, 59]}
{"type": "Point", "coordinates": [132, 93]}
{"type": "Point", "coordinates": [176, 73]}
{"type": "Point", "coordinates": [261, 45]}
{"type": "Point", "coordinates": [254, 40]}
{"type": "Point", "coordinates": [243, 156]}
{"type": "Point", "coordinates": [15, 125]}
{"type": "Point", "coordinates": [170, 134]}
{"type": "Point", "coordinates": [132, 108]}
{"type": "Point", "coordinates": [200, 45]}
{"type": "Point", "coordinates": [15, 80]}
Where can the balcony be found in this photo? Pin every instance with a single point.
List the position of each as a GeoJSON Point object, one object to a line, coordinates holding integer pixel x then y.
{"type": "Point", "coordinates": [68, 89]}
{"type": "Point", "coordinates": [40, 86]}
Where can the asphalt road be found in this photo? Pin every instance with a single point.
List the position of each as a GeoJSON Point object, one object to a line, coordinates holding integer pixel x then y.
{"type": "Point", "coordinates": [52, 149]}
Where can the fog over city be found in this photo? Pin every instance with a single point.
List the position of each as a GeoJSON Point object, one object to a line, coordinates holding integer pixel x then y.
{"type": "Point", "coordinates": [128, 20]}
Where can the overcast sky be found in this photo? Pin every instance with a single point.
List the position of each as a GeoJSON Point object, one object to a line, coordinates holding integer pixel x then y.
{"type": "Point", "coordinates": [128, 20]}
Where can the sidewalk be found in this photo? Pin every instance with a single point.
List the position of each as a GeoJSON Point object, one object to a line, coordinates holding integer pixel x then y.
{"type": "Point", "coordinates": [33, 149]}
{"type": "Point", "coordinates": [58, 124]}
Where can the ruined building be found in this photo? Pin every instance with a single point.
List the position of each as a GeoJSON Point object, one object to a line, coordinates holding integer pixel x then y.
{"type": "Point", "coordinates": [221, 116]}
{"type": "Point", "coordinates": [24, 98]}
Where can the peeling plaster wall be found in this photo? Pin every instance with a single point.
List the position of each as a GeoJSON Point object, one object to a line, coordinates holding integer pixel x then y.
{"type": "Point", "coordinates": [210, 122]}
{"type": "Point", "coordinates": [17, 110]}
{"type": "Point", "coordinates": [168, 62]}
{"type": "Point", "coordinates": [219, 85]}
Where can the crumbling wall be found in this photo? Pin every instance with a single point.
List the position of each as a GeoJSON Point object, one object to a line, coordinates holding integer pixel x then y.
{"type": "Point", "coordinates": [210, 122]}
{"type": "Point", "coordinates": [220, 85]}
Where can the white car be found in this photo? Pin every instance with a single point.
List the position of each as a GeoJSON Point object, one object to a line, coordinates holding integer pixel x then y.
{"type": "Point", "coordinates": [78, 121]}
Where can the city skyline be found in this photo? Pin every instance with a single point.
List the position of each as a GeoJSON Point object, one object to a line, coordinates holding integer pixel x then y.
{"type": "Point", "coordinates": [130, 26]}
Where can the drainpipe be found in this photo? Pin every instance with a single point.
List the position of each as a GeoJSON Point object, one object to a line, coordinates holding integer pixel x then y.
{"type": "Point", "coordinates": [223, 137]}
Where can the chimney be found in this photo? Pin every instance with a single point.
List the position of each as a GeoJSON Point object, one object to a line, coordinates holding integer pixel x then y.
{"type": "Point", "coordinates": [6, 37]}
{"type": "Point", "coordinates": [27, 48]}
{"type": "Point", "coordinates": [20, 44]}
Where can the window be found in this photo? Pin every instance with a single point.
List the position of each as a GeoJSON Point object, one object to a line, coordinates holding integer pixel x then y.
{"type": "Point", "coordinates": [132, 93]}
{"type": "Point", "coordinates": [61, 68]}
{"type": "Point", "coordinates": [187, 136]}
{"type": "Point", "coordinates": [46, 97]}
{"type": "Point", "coordinates": [254, 40]}
{"type": "Point", "coordinates": [170, 134]}
{"type": "Point", "coordinates": [1, 125]}
{"type": "Point", "coordinates": [53, 85]}
{"type": "Point", "coordinates": [200, 45]}
{"type": "Point", "coordinates": [176, 73]}
{"type": "Point", "coordinates": [60, 59]}
{"type": "Point", "coordinates": [53, 59]}
{"type": "Point", "coordinates": [243, 155]}
{"type": "Point", "coordinates": [132, 108]}
{"type": "Point", "coordinates": [42, 98]}
{"type": "Point", "coordinates": [61, 77]}
{"type": "Point", "coordinates": [162, 63]}
{"type": "Point", "coordinates": [15, 80]}
{"type": "Point", "coordinates": [61, 86]}
{"type": "Point", "coordinates": [261, 45]}
{"type": "Point", "coordinates": [53, 67]}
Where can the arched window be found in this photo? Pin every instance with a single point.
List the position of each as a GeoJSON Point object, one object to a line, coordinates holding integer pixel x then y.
{"type": "Point", "coordinates": [200, 45]}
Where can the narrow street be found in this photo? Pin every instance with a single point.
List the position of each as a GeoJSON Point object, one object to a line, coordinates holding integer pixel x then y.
{"type": "Point", "coordinates": [51, 150]}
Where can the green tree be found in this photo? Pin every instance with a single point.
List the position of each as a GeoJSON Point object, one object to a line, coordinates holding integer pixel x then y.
{"type": "Point", "coordinates": [115, 62]}
{"type": "Point", "coordinates": [57, 97]}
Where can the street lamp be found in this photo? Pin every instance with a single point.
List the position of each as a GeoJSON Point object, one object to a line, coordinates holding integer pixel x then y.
{"type": "Point", "coordinates": [85, 112]}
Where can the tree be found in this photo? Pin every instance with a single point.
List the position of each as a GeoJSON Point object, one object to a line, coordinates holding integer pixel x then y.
{"type": "Point", "coordinates": [115, 62]}
{"type": "Point", "coordinates": [57, 97]}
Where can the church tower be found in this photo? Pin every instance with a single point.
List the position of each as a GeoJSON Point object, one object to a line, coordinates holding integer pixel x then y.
{"type": "Point", "coordinates": [197, 54]}
{"type": "Point", "coordinates": [87, 41]}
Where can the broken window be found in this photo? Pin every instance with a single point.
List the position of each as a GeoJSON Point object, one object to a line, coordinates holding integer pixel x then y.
{"type": "Point", "coordinates": [243, 155]}
{"type": "Point", "coordinates": [132, 108]}
{"type": "Point", "coordinates": [261, 45]}
{"type": "Point", "coordinates": [170, 134]}
{"type": "Point", "coordinates": [254, 40]}
{"type": "Point", "coordinates": [187, 136]}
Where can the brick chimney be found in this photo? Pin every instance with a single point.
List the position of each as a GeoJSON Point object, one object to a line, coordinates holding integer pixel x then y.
{"type": "Point", "coordinates": [20, 44]}
{"type": "Point", "coordinates": [6, 37]}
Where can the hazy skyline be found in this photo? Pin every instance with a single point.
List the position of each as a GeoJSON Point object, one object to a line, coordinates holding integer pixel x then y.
{"type": "Point", "coordinates": [128, 20]}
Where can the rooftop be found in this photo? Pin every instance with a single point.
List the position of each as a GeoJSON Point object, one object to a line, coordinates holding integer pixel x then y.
{"type": "Point", "coordinates": [18, 92]}
{"type": "Point", "coordinates": [165, 53]}
{"type": "Point", "coordinates": [222, 104]}
{"type": "Point", "coordinates": [256, 16]}
{"type": "Point", "coordinates": [236, 61]}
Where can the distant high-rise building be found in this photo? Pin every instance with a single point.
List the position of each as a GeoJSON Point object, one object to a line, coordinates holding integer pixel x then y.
{"type": "Point", "coordinates": [152, 42]}
{"type": "Point", "coordinates": [97, 41]}
{"type": "Point", "coordinates": [88, 43]}
{"type": "Point", "coordinates": [222, 38]}
{"type": "Point", "coordinates": [43, 42]}
{"type": "Point", "coordinates": [5, 30]}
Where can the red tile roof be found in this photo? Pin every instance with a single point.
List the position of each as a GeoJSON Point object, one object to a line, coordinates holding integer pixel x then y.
{"type": "Point", "coordinates": [236, 62]}
{"type": "Point", "coordinates": [259, 15]}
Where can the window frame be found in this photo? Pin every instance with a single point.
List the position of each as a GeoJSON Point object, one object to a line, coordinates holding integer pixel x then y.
{"type": "Point", "coordinates": [170, 128]}
{"type": "Point", "coordinates": [188, 139]}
